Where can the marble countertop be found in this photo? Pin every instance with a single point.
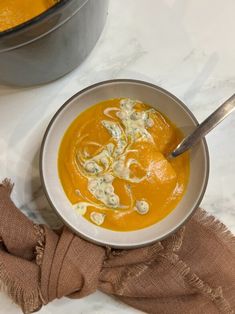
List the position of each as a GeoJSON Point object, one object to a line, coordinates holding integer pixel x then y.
{"type": "Point", "coordinates": [186, 47]}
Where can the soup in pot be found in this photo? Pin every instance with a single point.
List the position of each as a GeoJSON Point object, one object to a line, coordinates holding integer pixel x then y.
{"type": "Point", "coordinates": [15, 12]}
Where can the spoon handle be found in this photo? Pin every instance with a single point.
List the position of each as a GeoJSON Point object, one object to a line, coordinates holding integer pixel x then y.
{"type": "Point", "coordinates": [206, 126]}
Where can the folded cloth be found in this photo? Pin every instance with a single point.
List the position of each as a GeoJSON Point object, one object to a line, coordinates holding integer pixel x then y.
{"type": "Point", "coordinates": [192, 271]}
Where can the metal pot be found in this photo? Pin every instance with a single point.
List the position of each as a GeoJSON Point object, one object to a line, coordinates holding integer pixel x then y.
{"type": "Point", "coordinates": [52, 44]}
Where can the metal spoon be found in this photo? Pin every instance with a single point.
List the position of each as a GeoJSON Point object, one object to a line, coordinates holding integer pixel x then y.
{"type": "Point", "coordinates": [205, 127]}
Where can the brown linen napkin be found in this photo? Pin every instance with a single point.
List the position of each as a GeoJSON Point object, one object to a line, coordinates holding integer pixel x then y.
{"type": "Point", "coordinates": [192, 271]}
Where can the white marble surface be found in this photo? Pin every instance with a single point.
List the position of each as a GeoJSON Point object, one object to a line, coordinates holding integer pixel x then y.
{"type": "Point", "coordinates": [185, 46]}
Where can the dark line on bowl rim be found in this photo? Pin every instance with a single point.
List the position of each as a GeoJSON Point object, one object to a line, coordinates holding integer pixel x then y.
{"type": "Point", "coordinates": [123, 81]}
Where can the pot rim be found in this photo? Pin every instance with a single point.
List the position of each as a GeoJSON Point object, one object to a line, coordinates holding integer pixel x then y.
{"type": "Point", "coordinates": [18, 30]}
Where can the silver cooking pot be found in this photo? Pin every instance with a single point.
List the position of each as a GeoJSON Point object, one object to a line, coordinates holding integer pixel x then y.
{"type": "Point", "coordinates": [52, 44]}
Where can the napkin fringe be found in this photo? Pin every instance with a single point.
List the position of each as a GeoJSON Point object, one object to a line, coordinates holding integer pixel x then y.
{"type": "Point", "coordinates": [190, 278]}
{"type": "Point", "coordinates": [27, 301]}
{"type": "Point", "coordinates": [40, 247]}
{"type": "Point", "coordinates": [216, 227]}
{"type": "Point", "coordinates": [223, 235]}
{"type": "Point", "coordinates": [8, 185]}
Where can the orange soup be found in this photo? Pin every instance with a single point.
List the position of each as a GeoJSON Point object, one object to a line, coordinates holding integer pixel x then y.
{"type": "Point", "coordinates": [113, 168]}
{"type": "Point", "coordinates": [15, 12]}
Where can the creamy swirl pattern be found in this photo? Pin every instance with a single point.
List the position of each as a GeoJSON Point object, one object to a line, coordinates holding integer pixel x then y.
{"type": "Point", "coordinates": [112, 160]}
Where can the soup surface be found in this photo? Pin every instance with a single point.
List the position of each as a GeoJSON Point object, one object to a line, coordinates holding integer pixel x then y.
{"type": "Point", "coordinates": [112, 167]}
{"type": "Point", "coordinates": [15, 12]}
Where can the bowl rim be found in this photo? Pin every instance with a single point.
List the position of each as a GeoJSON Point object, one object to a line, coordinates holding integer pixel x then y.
{"type": "Point", "coordinates": [90, 87]}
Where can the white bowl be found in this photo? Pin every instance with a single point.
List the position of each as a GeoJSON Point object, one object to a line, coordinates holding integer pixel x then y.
{"type": "Point", "coordinates": [162, 101]}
